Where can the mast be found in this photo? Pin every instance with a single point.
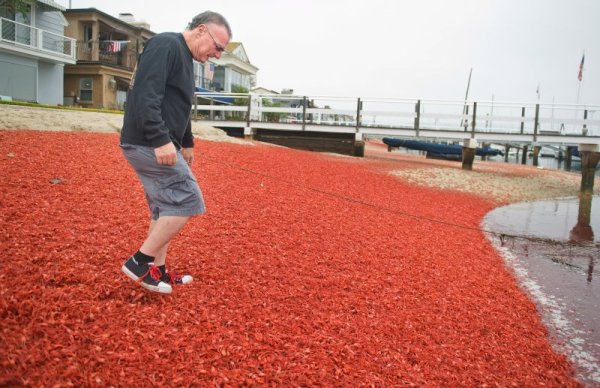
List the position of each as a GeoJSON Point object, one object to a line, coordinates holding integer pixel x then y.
{"type": "Point", "coordinates": [462, 121]}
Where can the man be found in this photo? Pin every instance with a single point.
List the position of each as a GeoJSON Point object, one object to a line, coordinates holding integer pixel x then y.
{"type": "Point", "coordinates": [157, 140]}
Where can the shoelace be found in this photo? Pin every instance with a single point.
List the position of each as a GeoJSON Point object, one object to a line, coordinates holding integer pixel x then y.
{"type": "Point", "coordinates": [154, 272]}
{"type": "Point", "coordinates": [173, 278]}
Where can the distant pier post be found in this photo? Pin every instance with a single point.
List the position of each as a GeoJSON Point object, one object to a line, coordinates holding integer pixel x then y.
{"type": "Point", "coordinates": [536, 154]}
{"type": "Point", "coordinates": [522, 119]}
{"type": "Point", "coordinates": [560, 155]}
{"type": "Point", "coordinates": [524, 155]}
{"type": "Point", "coordinates": [304, 113]}
{"type": "Point", "coordinates": [417, 117]}
{"type": "Point", "coordinates": [468, 153]}
{"type": "Point", "coordinates": [536, 122]}
{"type": "Point", "coordinates": [359, 141]}
{"type": "Point", "coordinates": [506, 151]}
{"type": "Point", "coordinates": [359, 145]}
{"type": "Point", "coordinates": [568, 157]}
{"type": "Point", "coordinates": [249, 132]}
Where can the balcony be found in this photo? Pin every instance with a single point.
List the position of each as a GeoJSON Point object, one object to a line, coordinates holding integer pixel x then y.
{"type": "Point", "coordinates": [106, 53]}
{"type": "Point", "coordinates": [36, 42]}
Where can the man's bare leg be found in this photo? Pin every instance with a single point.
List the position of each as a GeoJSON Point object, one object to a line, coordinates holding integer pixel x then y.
{"type": "Point", "coordinates": [161, 256]}
{"type": "Point", "coordinates": [160, 233]}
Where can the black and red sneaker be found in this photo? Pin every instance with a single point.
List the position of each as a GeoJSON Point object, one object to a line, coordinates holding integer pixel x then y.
{"type": "Point", "coordinates": [148, 275]}
{"type": "Point", "coordinates": [171, 278]}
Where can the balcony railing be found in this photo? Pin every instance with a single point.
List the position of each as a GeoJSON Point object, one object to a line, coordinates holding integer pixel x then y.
{"type": "Point", "coordinates": [104, 52]}
{"type": "Point", "coordinates": [33, 38]}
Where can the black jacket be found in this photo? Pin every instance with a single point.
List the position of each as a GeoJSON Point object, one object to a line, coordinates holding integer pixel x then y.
{"type": "Point", "coordinates": [159, 102]}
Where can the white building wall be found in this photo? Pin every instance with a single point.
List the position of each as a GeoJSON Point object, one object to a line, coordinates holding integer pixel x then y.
{"type": "Point", "coordinates": [18, 77]}
{"type": "Point", "coordinates": [50, 83]}
{"type": "Point", "coordinates": [51, 21]}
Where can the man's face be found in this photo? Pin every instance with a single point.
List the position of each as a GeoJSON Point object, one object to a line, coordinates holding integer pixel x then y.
{"type": "Point", "coordinates": [211, 42]}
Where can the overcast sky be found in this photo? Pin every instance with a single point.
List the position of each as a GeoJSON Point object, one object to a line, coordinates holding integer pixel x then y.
{"type": "Point", "coordinates": [406, 49]}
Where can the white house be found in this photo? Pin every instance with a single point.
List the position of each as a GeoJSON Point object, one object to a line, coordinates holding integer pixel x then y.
{"type": "Point", "coordinates": [33, 50]}
{"type": "Point", "coordinates": [233, 70]}
{"type": "Point", "coordinates": [263, 91]}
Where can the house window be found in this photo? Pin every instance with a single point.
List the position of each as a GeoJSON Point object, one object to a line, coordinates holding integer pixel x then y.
{"type": "Point", "coordinates": [219, 79]}
{"type": "Point", "coordinates": [85, 89]}
{"type": "Point", "coordinates": [87, 35]}
{"type": "Point", "coordinates": [240, 80]}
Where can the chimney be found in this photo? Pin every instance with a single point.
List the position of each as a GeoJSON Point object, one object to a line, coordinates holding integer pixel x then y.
{"type": "Point", "coordinates": [126, 17]}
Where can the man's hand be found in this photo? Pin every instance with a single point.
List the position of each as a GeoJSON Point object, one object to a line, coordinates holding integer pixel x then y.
{"type": "Point", "coordinates": [188, 155]}
{"type": "Point", "coordinates": [166, 154]}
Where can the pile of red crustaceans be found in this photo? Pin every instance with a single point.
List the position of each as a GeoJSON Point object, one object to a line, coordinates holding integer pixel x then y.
{"type": "Point", "coordinates": [310, 269]}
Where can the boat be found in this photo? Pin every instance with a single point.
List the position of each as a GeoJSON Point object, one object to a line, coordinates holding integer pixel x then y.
{"type": "Point", "coordinates": [438, 151]}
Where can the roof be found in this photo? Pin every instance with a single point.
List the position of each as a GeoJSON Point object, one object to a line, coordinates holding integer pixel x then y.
{"type": "Point", "coordinates": [261, 90]}
{"type": "Point", "coordinates": [52, 4]}
{"type": "Point", "coordinates": [104, 14]}
{"type": "Point", "coordinates": [231, 46]}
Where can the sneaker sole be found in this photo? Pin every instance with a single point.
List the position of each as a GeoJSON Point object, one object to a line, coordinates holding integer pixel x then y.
{"type": "Point", "coordinates": [136, 279]}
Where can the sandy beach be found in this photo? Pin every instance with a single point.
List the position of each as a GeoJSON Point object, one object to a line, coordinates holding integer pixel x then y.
{"type": "Point", "coordinates": [47, 119]}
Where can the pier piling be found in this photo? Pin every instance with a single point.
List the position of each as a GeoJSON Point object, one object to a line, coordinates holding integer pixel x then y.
{"type": "Point", "coordinates": [590, 156]}
{"type": "Point", "coordinates": [568, 157]}
{"type": "Point", "coordinates": [524, 155]}
{"type": "Point", "coordinates": [536, 154]}
{"type": "Point", "coordinates": [468, 153]}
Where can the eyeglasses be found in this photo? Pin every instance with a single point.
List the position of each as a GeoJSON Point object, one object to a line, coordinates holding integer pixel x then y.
{"type": "Point", "coordinates": [217, 45]}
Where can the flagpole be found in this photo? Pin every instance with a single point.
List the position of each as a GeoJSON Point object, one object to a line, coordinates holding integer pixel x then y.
{"type": "Point", "coordinates": [466, 96]}
{"type": "Point", "coordinates": [552, 127]}
{"type": "Point", "coordinates": [492, 111]}
{"type": "Point", "coordinates": [580, 78]}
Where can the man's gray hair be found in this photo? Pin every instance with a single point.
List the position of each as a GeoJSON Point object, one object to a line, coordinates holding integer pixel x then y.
{"type": "Point", "coordinates": [209, 17]}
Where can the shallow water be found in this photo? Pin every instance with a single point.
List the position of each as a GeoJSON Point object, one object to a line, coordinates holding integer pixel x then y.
{"type": "Point", "coordinates": [549, 219]}
{"type": "Point", "coordinates": [561, 275]}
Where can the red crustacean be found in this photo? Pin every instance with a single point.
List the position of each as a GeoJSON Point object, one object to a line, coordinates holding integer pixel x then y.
{"type": "Point", "coordinates": [310, 269]}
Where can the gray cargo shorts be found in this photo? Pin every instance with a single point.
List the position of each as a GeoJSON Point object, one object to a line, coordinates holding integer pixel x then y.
{"type": "Point", "coordinates": [170, 190]}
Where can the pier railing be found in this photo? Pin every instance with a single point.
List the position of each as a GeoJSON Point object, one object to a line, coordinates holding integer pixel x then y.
{"type": "Point", "coordinates": [385, 115]}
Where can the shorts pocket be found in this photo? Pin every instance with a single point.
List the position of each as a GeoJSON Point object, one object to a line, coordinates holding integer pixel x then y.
{"type": "Point", "coordinates": [179, 190]}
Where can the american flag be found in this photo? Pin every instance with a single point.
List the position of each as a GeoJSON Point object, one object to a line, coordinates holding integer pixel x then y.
{"type": "Point", "coordinates": [116, 45]}
{"type": "Point", "coordinates": [580, 75]}
{"type": "Point", "coordinates": [209, 71]}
